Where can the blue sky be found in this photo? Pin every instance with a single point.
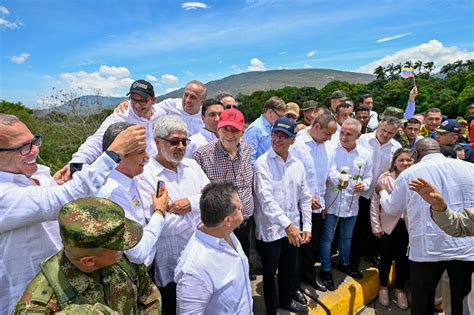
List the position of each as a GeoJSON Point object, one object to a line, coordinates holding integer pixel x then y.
{"type": "Point", "coordinates": [105, 45]}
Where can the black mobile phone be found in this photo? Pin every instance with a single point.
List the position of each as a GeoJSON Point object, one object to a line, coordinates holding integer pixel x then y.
{"type": "Point", "coordinates": [75, 167]}
{"type": "Point", "coordinates": [159, 185]}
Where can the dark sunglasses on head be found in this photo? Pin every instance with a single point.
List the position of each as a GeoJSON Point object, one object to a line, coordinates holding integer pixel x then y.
{"type": "Point", "coordinates": [175, 143]}
{"type": "Point", "coordinates": [26, 148]}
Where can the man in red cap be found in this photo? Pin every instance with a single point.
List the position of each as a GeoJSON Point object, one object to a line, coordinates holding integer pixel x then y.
{"type": "Point", "coordinates": [229, 158]}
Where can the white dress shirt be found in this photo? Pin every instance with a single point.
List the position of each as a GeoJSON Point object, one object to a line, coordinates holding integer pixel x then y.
{"type": "Point", "coordinates": [374, 121]}
{"type": "Point", "coordinates": [92, 148]}
{"type": "Point", "coordinates": [122, 190]}
{"type": "Point", "coordinates": [346, 203]}
{"type": "Point", "coordinates": [174, 106]}
{"type": "Point", "coordinates": [335, 137]}
{"type": "Point", "coordinates": [455, 180]}
{"type": "Point", "coordinates": [316, 158]}
{"type": "Point", "coordinates": [281, 193]}
{"type": "Point", "coordinates": [187, 182]}
{"type": "Point", "coordinates": [199, 139]}
{"type": "Point", "coordinates": [381, 157]}
{"type": "Point", "coordinates": [212, 277]}
{"type": "Point", "coordinates": [29, 232]}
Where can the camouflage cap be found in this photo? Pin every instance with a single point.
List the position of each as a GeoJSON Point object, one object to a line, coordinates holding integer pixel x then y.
{"type": "Point", "coordinates": [338, 94]}
{"type": "Point", "coordinates": [394, 112]}
{"type": "Point", "coordinates": [309, 104]}
{"type": "Point", "coordinates": [97, 223]}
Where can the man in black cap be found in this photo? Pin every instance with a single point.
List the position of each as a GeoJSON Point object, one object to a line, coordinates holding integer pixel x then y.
{"type": "Point", "coordinates": [336, 98]}
{"type": "Point", "coordinates": [447, 136]}
{"type": "Point", "coordinates": [141, 98]}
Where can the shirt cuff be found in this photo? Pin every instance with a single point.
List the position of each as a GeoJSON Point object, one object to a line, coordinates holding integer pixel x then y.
{"type": "Point", "coordinates": [284, 221]}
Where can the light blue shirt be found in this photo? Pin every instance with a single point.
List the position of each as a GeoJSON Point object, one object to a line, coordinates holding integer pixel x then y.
{"type": "Point", "coordinates": [259, 136]}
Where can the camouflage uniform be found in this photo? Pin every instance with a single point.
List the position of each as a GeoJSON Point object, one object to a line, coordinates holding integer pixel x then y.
{"type": "Point", "coordinates": [400, 136]}
{"type": "Point", "coordinates": [123, 287]}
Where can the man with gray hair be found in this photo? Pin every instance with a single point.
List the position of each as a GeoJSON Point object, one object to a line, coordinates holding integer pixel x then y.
{"type": "Point", "coordinates": [259, 133]}
{"type": "Point", "coordinates": [211, 275]}
{"type": "Point", "coordinates": [382, 145]}
{"type": "Point", "coordinates": [30, 201]}
{"type": "Point", "coordinates": [228, 100]}
{"type": "Point", "coordinates": [184, 180]}
{"type": "Point", "coordinates": [121, 188]}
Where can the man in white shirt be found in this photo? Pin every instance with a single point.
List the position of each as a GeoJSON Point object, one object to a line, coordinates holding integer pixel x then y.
{"type": "Point", "coordinates": [381, 144]}
{"type": "Point", "coordinates": [188, 107]}
{"type": "Point", "coordinates": [431, 250]}
{"type": "Point", "coordinates": [30, 201]}
{"type": "Point", "coordinates": [350, 174]}
{"type": "Point", "coordinates": [140, 112]}
{"type": "Point", "coordinates": [121, 187]}
{"type": "Point", "coordinates": [315, 151]}
{"type": "Point", "coordinates": [211, 111]}
{"type": "Point", "coordinates": [368, 100]}
{"type": "Point", "coordinates": [281, 196]}
{"type": "Point", "coordinates": [212, 272]}
{"type": "Point", "coordinates": [184, 181]}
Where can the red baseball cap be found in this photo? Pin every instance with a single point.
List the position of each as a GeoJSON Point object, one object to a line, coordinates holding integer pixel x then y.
{"type": "Point", "coordinates": [231, 117]}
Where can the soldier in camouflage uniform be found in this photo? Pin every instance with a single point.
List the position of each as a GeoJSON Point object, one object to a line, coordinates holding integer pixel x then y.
{"type": "Point", "coordinates": [90, 270]}
{"type": "Point", "coordinates": [400, 135]}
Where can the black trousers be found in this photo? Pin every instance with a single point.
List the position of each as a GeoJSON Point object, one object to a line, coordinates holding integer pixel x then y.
{"type": "Point", "coordinates": [394, 247]}
{"type": "Point", "coordinates": [243, 235]}
{"type": "Point", "coordinates": [425, 278]}
{"type": "Point", "coordinates": [168, 298]}
{"type": "Point", "coordinates": [282, 256]}
{"type": "Point", "coordinates": [310, 251]}
{"type": "Point", "coordinates": [363, 242]}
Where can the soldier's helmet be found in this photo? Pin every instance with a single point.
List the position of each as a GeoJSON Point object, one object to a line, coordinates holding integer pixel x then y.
{"type": "Point", "coordinates": [97, 223]}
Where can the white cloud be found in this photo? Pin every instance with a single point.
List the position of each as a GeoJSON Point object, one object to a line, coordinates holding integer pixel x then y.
{"type": "Point", "coordinates": [430, 51]}
{"type": "Point", "coordinates": [312, 53]}
{"type": "Point", "coordinates": [307, 66]}
{"type": "Point", "coordinates": [386, 39]}
{"type": "Point", "coordinates": [47, 77]}
{"type": "Point", "coordinates": [256, 65]}
{"type": "Point", "coordinates": [119, 72]}
{"type": "Point", "coordinates": [194, 5]}
{"type": "Point", "coordinates": [10, 25]}
{"type": "Point", "coordinates": [19, 59]}
{"type": "Point", "coordinates": [91, 82]}
{"type": "Point", "coordinates": [168, 90]}
{"type": "Point", "coordinates": [236, 69]}
{"type": "Point", "coordinates": [282, 53]}
{"type": "Point", "coordinates": [169, 78]}
{"type": "Point", "coordinates": [4, 10]}
{"type": "Point", "coordinates": [151, 78]}
{"type": "Point", "coordinates": [189, 73]}
{"type": "Point", "coordinates": [283, 68]}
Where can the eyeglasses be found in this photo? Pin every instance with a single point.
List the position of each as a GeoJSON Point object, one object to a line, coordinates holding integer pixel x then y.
{"type": "Point", "coordinates": [291, 116]}
{"type": "Point", "coordinates": [142, 101]}
{"type": "Point", "coordinates": [175, 143]}
{"type": "Point", "coordinates": [276, 113]}
{"type": "Point", "coordinates": [26, 148]}
{"type": "Point", "coordinates": [232, 106]}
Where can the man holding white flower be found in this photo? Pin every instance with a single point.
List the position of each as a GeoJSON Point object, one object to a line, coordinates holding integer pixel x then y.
{"type": "Point", "coordinates": [350, 174]}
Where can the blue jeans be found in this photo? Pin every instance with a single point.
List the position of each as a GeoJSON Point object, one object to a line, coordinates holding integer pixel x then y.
{"type": "Point", "coordinates": [346, 226]}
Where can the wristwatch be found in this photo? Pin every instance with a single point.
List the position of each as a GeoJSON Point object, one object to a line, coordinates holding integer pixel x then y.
{"type": "Point", "coordinates": [114, 156]}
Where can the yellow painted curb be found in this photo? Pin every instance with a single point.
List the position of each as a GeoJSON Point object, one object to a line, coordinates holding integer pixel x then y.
{"type": "Point", "coordinates": [351, 295]}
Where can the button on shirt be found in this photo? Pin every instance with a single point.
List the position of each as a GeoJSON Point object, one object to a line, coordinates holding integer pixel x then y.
{"type": "Point", "coordinates": [187, 182]}
{"type": "Point", "coordinates": [259, 136]}
{"type": "Point", "coordinates": [218, 165]}
{"type": "Point", "coordinates": [281, 193]}
{"type": "Point", "coordinates": [316, 158]}
{"type": "Point", "coordinates": [174, 106]}
{"type": "Point", "coordinates": [381, 157]}
{"type": "Point", "coordinates": [122, 190]}
{"type": "Point", "coordinates": [212, 277]}
{"type": "Point", "coordinates": [346, 203]}
{"type": "Point", "coordinates": [29, 232]}
{"type": "Point", "coordinates": [455, 180]}
{"type": "Point", "coordinates": [92, 148]}
{"type": "Point", "coordinates": [198, 140]}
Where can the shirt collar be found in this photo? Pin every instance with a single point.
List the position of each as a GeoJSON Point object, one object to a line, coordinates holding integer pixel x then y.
{"type": "Point", "coordinates": [122, 179]}
{"type": "Point", "coordinates": [433, 156]}
{"type": "Point", "coordinates": [265, 122]}
{"type": "Point", "coordinates": [7, 177]}
{"type": "Point", "coordinates": [221, 148]}
{"type": "Point", "coordinates": [213, 241]}
{"type": "Point", "coordinates": [272, 154]}
{"type": "Point", "coordinates": [160, 168]}
{"type": "Point", "coordinates": [208, 134]}
{"type": "Point", "coordinates": [79, 280]}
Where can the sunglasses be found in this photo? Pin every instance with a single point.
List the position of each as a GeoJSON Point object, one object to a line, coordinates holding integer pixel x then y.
{"type": "Point", "coordinates": [291, 116]}
{"type": "Point", "coordinates": [142, 101]}
{"type": "Point", "coordinates": [175, 143]}
{"type": "Point", "coordinates": [231, 106]}
{"type": "Point", "coordinates": [26, 148]}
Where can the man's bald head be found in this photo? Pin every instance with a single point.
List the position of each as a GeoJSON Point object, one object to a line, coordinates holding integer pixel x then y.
{"type": "Point", "coordinates": [426, 146]}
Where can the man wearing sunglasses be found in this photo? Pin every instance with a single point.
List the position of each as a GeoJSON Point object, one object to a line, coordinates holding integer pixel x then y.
{"type": "Point", "coordinates": [259, 133]}
{"type": "Point", "coordinates": [228, 100]}
{"type": "Point", "coordinates": [141, 112]}
{"type": "Point", "coordinates": [30, 201]}
{"type": "Point", "coordinates": [184, 180]}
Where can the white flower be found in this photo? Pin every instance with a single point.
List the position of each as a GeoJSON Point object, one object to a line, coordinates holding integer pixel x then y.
{"type": "Point", "coordinates": [344, 177]}
{"type": "Point", "coordinates": [345, 169]}
{"type": "Point", "coordinates": [359, 163]}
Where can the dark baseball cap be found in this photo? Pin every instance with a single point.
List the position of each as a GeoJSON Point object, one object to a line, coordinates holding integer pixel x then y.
{"type": "Point", "coordinates": [285, 125]}
{"type": "Point", "coordinates": [338, 95]}
{"type": "Point", "coordinates": [449, 125]}
{"type": "Point", "coordinates": [142, 88]}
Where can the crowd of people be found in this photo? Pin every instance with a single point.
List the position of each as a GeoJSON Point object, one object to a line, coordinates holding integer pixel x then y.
{"type": "Point", "coordinates": [157, 211]}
